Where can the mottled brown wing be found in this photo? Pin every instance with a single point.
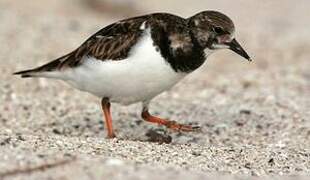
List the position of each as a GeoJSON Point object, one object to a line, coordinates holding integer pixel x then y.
{"type": "Point", "coordinates": [113, 42]}
{"type": "Point", "coordinates": [108, 47]}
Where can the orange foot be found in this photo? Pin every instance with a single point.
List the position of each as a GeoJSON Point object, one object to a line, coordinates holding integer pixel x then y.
{"type": "Point", "coordinates": [108, 119]}
{"type": "Point", "coordinates": [169, 124]}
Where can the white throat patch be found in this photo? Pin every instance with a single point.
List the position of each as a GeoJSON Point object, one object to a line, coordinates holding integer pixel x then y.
{"type": "Point", "coordinates": [208, 51]}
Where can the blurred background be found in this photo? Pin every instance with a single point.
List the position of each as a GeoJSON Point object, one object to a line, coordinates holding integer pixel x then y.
{"type": "Point", "coordinates": [262, 108]}
{"type": "Point", "coordinates": [273, 32]}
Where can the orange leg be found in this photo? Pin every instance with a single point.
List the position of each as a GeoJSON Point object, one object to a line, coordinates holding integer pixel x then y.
{"type": "Point", "coordinates": [169, 124]}
{"type": "Point", "coordinates": [107, 114]}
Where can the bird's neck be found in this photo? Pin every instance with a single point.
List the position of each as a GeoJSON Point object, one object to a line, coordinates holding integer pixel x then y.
{"type": "Point", "coordinates": [208, 52]}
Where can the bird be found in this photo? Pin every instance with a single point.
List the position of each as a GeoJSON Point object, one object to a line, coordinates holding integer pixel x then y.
{"type": "Point", "coordinates": [135, 59]}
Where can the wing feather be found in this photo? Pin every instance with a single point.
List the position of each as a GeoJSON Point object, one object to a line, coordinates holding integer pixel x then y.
{"type": "Point", "coordinates": [110, 43]}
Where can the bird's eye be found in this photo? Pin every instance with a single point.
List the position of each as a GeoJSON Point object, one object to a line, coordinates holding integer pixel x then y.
{"type": "Point", "coordinates": [218, 30]}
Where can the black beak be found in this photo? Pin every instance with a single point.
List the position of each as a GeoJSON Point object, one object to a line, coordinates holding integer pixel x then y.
{"type": "Point", "coordinates": [236, 47]}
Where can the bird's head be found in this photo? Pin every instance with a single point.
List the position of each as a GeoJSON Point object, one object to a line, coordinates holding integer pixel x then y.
{"type": "Point", "coordinates": [213, 31]}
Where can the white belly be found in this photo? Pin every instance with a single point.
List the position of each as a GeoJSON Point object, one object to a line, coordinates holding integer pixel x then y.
{"type": "Point", "coordinates": [141, 77]}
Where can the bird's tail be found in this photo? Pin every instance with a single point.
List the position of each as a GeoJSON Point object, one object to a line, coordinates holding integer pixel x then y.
{"type": "Point", "coordinates": [39, 71]}
{"type": "Point", "coordinates": [26, 73]}
{"type": "Point", "coordinates": [45, 70]}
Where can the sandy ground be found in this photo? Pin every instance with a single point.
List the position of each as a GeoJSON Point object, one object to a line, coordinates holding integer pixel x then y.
{"type": "Point", "coordinates": [254, 116]}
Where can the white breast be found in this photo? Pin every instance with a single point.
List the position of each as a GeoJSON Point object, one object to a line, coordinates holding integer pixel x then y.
{"type": "Point", "coordinates": [141, 76]}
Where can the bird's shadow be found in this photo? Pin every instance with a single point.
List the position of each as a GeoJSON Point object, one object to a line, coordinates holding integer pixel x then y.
{"type": "Point", "coordinates": [215, 127]}
{"type": "Point", "coordinates": [134, 130]}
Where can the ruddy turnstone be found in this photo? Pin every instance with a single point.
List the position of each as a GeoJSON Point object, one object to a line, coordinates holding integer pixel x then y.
{"type": "Point", "coordinates": [135, 59]}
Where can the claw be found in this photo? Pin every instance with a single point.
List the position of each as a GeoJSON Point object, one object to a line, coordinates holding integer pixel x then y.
{"type": "Point", "coordinates": [169, 124]}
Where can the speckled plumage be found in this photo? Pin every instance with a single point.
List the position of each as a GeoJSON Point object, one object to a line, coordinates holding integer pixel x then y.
{"type": "Point", "coordinates": [180, 41]}
{"type": "Point", "coordinates": [135, 59]}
